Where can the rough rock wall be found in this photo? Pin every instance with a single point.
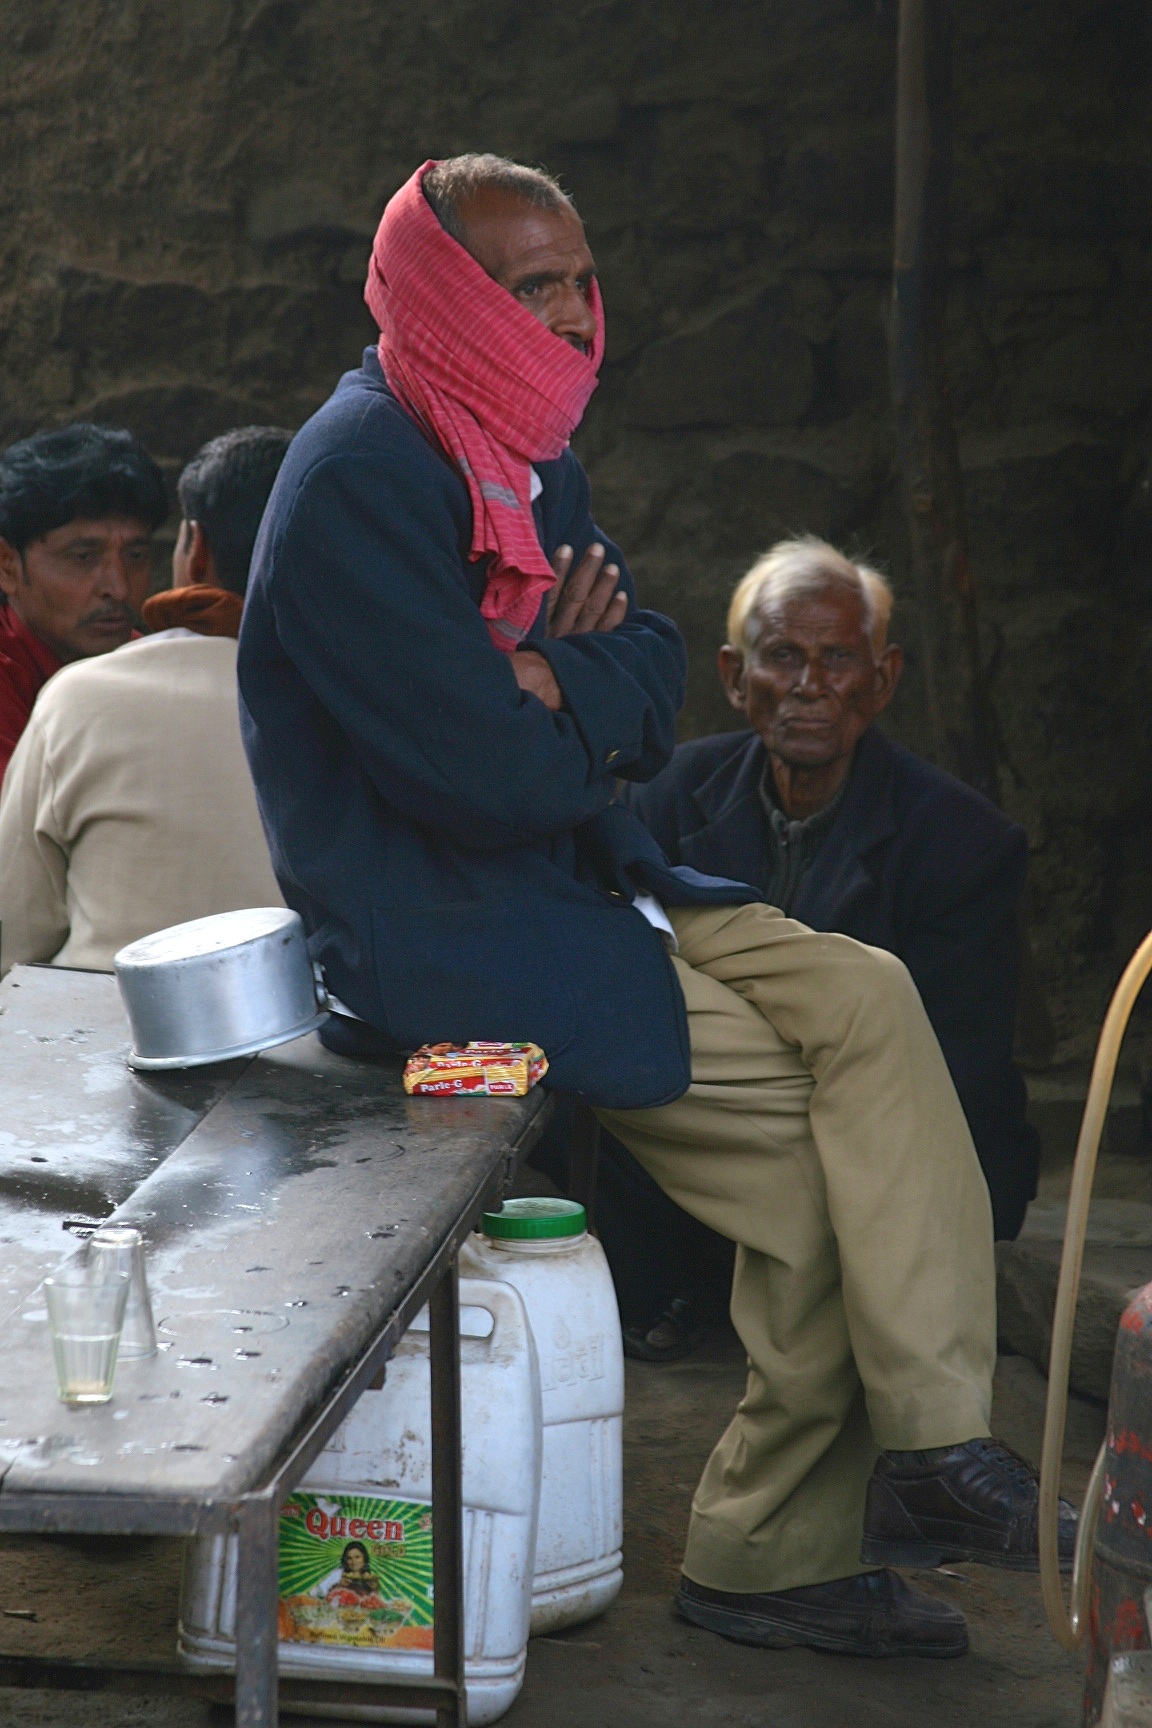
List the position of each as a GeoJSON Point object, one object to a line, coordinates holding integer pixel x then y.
{"type": "Point", "coordinates": [188, 194]}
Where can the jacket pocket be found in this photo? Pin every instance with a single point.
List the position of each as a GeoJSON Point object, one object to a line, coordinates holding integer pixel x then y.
{"type": "Point", "coordinates": [471, 969]}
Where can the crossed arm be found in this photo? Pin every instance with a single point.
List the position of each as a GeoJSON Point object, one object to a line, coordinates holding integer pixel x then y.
{"type": "Point", "coordinates": [588, 598]}
{"type": "Point", "coordinates": [487, 749]}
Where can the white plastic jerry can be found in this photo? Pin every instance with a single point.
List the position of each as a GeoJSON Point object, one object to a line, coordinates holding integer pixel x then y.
{"type": "Point", "coordinates": [542, 1248]}
{"type": "Point", "coordinates": [356, 1537]}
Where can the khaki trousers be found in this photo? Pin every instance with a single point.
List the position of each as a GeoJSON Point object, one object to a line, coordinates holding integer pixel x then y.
{"type": "Point", "coordinates": [822, 1134]}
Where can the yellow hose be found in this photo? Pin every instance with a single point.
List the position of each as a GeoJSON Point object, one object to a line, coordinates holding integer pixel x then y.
{"type": "Point", "coordinates": [1070, 1625]}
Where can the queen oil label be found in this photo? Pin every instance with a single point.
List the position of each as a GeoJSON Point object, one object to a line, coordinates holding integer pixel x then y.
{"type": "Point", "coordinates": [356, 1571]}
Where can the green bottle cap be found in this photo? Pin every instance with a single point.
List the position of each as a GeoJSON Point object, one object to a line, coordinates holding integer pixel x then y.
{"type": "Point", "coordinates": [534, 1219]}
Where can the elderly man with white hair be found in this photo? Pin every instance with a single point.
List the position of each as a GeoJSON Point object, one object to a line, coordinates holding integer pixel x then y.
{"type": "Point", "coordinates": [844, 831]}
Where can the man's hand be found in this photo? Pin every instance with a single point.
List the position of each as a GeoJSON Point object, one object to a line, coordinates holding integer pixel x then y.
{"type": "Point", "coordinates": [533, 673]}
{"type": "Point", "coordinates": [589, 598]}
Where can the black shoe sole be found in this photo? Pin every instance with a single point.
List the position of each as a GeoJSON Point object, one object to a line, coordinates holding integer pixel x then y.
{"type": "Point", "coordinates": [638, 1350]}
{"type": "Point", "coordinates": [769, 1635]}
{"type": "Point", "coordinates": [925, 1556]}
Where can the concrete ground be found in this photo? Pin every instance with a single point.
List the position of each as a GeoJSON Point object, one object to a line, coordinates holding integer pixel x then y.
{"type": "Point", "coordinates": [642, 1666]}
{"type": "Point", "coordinates": [638, 1666]}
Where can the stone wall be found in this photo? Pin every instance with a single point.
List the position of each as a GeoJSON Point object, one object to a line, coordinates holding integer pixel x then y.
{"type": "Point", "coordinates": [188, 194]}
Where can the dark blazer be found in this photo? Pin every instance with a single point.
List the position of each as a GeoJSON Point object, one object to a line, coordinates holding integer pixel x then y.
{"type": "Point", "coordinates": [455, 850]}
{"type": "Point", "coordinates": [915, 862]}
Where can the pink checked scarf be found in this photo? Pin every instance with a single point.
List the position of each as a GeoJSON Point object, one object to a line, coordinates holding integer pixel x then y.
{"type": "Point", "coordinates": [495, 387]}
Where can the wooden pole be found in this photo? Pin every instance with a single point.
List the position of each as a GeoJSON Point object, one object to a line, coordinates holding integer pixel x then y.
{"type": "Point", "coordinates": [961, 718]}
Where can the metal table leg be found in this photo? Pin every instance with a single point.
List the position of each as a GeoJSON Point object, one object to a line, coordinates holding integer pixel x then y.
{"type": "Point", "coordinates": [447, 1496]}
{"type": "Point", "coordinates": [258, 1529]}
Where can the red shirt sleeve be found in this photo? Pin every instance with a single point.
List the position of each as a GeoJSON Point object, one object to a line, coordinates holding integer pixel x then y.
{"type": "Point", "coordinates": [25, 667]}
{"type": "Point", "coordinates": [16, 699]}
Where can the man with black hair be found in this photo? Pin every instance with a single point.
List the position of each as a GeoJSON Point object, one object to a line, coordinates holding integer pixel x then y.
{"type": "Point", "coordinates": [222, 494]}
{"type": "Point", "coordinates": [128, 806]}
{"type": "Point", "coordinates": [78, 509]}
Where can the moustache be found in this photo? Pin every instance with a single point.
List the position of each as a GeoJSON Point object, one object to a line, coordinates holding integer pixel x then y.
{"type": "Point", "coordinates": [114, 613]}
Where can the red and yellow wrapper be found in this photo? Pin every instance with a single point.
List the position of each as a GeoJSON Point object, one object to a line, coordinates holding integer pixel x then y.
{"type": "Point", "coordinates": [478, 1070]}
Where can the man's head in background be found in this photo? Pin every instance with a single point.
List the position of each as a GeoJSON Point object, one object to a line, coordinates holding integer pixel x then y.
{"type": "Point", "coordinates": [809, 662]}
{"type": "Point", "coordinates": [78, 509]}
{"type": "Point", "coordinates": [222, 493]}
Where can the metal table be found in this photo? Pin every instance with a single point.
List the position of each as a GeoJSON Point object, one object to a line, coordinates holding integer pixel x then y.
{"type": "Point", "coordinates": [299, 1210]}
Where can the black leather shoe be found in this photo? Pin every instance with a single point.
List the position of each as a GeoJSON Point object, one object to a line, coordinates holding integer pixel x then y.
{"type": "Point", "coordinates": [971, 1502]}
{"type": "Point", "coordinates": [673, 1335]}
{"type": "Point", "coordinates": [875, 1614]}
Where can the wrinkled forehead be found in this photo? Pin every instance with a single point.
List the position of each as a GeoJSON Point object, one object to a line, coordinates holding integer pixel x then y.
{"type": "Point", "coordinates": [831, 610]}
{"type": "Point", "coordinates": [505, 233]}
{"type": "Point", "coordinates": [97, 530]}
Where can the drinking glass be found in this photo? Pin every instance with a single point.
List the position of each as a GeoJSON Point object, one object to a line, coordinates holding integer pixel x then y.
{"type": "Point", "coordinates": [86, 1312]}
{"type": "Point", "coordinates": [120, 1248]}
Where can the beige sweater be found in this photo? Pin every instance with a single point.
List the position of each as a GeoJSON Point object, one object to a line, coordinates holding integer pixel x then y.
{"type": "Point", "coordinates": [128, 805]}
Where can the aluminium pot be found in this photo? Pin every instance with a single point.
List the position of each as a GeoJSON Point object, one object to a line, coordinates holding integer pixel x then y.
{"type": "Point", "coordinates": [218, 987]}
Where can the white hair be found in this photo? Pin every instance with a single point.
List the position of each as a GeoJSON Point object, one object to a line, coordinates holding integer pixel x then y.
{"type": "Point", "coordinates": [809, 567]}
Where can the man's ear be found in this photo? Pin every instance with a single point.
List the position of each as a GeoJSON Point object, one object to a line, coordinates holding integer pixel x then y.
{"type": "Point", "coordinates": [731, 664]}
{"type": "Point", "coordinates": [192, 559]}
{"type": "Point", "coordinates": [888, 669]}
{"type": "Point", "coordinates": [11, 568]}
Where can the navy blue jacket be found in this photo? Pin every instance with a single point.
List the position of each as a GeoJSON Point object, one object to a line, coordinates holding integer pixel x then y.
{"type": "Point", "coordinates": [455, 850]}
{"type": "Point", "coordinates": [915, 862]}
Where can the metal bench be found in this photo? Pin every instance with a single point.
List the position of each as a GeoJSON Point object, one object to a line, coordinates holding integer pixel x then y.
{"type": "Point", "coordinates": [299, 1210]}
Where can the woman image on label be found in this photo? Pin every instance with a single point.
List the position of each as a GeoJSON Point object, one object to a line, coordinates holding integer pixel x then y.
{"type": "Point", "coordinates": [352, 1584]}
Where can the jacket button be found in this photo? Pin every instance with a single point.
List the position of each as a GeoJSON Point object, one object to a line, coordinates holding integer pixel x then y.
{"type": "Point", "coordinates": [611, 756]}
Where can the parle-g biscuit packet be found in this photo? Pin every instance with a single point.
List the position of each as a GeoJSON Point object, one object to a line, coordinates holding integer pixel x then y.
{"type": "Point", "coordinates": [480, 1069]}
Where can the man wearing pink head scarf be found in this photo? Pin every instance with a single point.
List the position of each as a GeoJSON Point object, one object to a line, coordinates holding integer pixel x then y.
{"type": "Point", "coordinates": [443, 674]}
